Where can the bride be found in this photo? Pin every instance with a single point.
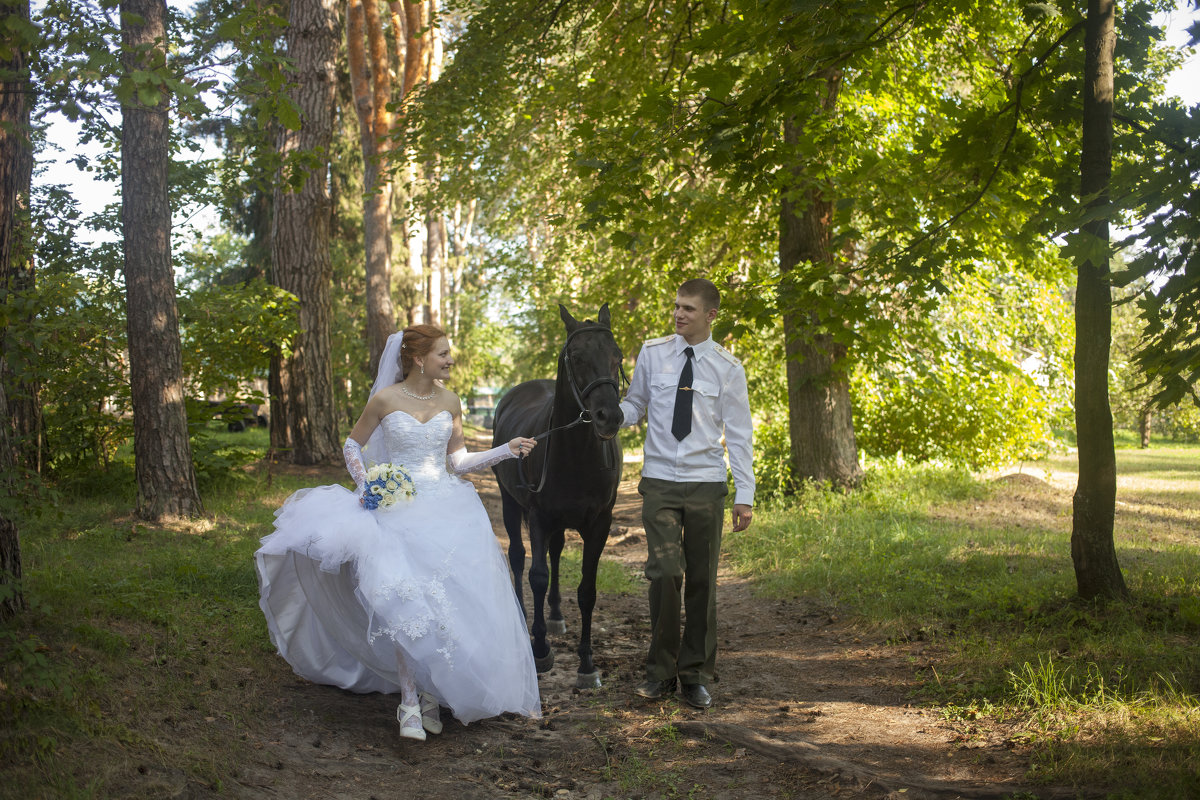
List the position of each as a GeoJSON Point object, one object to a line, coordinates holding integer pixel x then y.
{"type": "Point", "coordinates": [412, 597]}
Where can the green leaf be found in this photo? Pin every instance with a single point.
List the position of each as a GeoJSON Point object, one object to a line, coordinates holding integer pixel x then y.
{"type": "Point", "coordinates": [288, 114]}
{"type": "Point", "coordinates": [149, 96]}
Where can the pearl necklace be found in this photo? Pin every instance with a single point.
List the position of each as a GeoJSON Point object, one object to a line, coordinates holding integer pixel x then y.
{"type": "Point", "coordinates": [416, 396]}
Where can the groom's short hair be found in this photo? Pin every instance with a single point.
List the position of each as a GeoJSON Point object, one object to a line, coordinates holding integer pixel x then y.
{"type": "Point", "coordinates": [704, 289]}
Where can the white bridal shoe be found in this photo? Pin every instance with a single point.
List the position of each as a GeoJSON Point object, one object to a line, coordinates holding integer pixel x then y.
{"type": "Point", "coordinates": [410, 721]}
{"type": "Point", "coordinates": [431, 718]}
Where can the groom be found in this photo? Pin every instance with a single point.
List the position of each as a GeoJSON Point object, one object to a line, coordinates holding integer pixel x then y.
{"type": "Point", "coordinates": [692, 393]}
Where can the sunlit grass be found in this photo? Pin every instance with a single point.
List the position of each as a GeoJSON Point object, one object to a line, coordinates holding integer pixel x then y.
{"type": "Point", "coordinates": [983, 572]}
{"type": "Point", "coordinates": [611, 576]}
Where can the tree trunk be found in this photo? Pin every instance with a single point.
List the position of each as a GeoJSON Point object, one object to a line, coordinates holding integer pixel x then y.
{"type": "Point", "coordinates": [12, 599]}
{"type": "Point", "coordinates": [460, 234]}
{"type": "Point", "coordinates": [278, 384]}
{"type": "Point", "coordinates": [23, 415]}
{"type": "Point", "coordinates": [162, 452]}
{"type": "Point", "coordinates": [1097, 574]}
{"type": "Point", "coordinates": [1144, 420]}
{"type": "Point", "coordinates": [820, 422]}
{"type": "Point", "coordinates": [301, 230]}
{"type": "Point", "coordinates": [435, 253]}
{"type": "Point", "coordinates": [20, 423]}
{"type": "Point", "coordinates": [371, 84]}
{"type": "Point", "coordinates": [417, 238]}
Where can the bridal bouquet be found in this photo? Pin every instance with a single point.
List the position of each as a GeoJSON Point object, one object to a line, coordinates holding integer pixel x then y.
{"type": "Point", "coordinates": [387, 484]}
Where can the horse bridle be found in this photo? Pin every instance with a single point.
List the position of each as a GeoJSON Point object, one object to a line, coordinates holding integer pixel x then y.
{"type": "Point", "coordinates": [580, 395]}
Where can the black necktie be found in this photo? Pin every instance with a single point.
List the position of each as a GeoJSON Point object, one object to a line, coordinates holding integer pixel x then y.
{"type": "Point", "coordinates": [681, 420]}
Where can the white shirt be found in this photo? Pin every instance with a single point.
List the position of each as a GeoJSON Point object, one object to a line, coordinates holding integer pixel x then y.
{"type": "Point", "coordinates": [720, 407]}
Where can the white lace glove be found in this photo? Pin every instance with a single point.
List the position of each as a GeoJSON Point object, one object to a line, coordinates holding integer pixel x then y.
{"type": "Point", "coordinates": [352, 451]}
{"type": "Point", "coordinates": [461, 461]}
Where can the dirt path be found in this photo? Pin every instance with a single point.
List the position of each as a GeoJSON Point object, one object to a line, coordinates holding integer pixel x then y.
{"type": "Point", "coordinates": [806, 708]}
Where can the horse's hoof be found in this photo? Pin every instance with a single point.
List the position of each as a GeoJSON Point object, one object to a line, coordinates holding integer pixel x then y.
{"type": "Point", "coordinates": [543, 663]}
{"type": "Point", "coordinates": [587, 680]}
{"type": "Point", "coordinates": [556, 626]}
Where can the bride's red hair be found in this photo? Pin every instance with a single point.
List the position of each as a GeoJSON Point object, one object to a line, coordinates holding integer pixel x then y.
{"type": "Point", "coordinates": [418, 342]}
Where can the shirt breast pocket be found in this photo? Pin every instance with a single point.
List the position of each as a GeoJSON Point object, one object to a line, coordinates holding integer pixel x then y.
{"type": "Point", "coordinates": [664, 381]}
{"type": "Point", "coordinates": [663, 387]}
{"type": "Point", "coordinates": [706, 398]}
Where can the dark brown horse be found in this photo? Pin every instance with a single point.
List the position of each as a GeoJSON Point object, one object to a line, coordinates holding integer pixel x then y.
{"type": "Point", "coordinates": [569, 481]}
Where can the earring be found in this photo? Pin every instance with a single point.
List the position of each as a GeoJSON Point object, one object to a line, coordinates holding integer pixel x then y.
{"type": "Point", "coordinates": [422, 369]}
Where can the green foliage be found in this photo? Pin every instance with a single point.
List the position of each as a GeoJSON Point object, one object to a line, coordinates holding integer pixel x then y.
{"type": "Point", "coordinates": [980, 381]}
{"type": "Point", "coordinates": [1156, 185]}
{"type": "Point", "coordinates": [220, 456]}
{"type": "Point", "coordinates": [978, 419]}
{"type": "Point", "coordinates": [228, 333]}
{"type": "Point", "coordinates": [74, 346]}
{"type": "Point", "coordinates": [950, 152]}
{"type": "Point", "coordinates": [773, 478]}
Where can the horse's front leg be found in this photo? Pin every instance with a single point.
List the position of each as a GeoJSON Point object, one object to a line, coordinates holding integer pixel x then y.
{"type": "Point", "coordinates": [594, 539]}
{"type": "Point", "coordinates": [539, 580]}
{"type": "Point", "coordinates": [556, 624]}
{"type": "Point", "coordinates": [516, 546]}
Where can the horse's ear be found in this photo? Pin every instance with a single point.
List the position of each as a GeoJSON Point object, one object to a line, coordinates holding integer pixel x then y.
{"type": "Point", "coordinates": [603, 317]}
{"type": "Point", "coordinates": [567, 319]}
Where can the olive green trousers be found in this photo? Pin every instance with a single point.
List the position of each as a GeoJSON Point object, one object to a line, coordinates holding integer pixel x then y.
{"type": "Point", "coordinates": [683, 545]}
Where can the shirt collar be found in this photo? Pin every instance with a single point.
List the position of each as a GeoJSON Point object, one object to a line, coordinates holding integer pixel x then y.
{"type": "Point", "coordinates": [698, 350]}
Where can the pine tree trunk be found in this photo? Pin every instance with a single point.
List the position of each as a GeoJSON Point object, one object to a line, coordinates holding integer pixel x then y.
{"type": "Point", "coordinates": [820, 422]}
{"type": "Point", "coordinates": [377, 239]}
{"type": "Point", "coordinates": [23, 416]}
{"type": "Point", "coordinates": [12, 599]}
{"type": "Point", "coordinates": [280, 399]}
{"type": "Point", "coordinates": [163, 456]}
{"type": "Point", "coordinates": [435, 252]}
{"type": "Point", "coordinates": [19, 406]}
{"type": "Point", "coordinates": [301, 231]}
{"type": "Point", "coordinates": [417, 237]}
{"type": "Point", "coordinates": [1097, 573]}
{"type": "Point", "coordinates": [371, 83]}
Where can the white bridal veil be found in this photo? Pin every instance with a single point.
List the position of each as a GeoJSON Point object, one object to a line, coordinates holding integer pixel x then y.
{"type": "Point", "coordinates": [388, 373]}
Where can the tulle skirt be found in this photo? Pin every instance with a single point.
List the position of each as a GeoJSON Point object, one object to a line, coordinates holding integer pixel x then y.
{"type": "Point", "coordinates": [344, 589]}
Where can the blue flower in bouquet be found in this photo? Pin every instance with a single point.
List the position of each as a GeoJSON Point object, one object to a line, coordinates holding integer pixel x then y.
{"type": "Point", "coordinates": [387, 484]}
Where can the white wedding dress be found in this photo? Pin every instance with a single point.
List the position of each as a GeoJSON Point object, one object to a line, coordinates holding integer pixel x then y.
{"type": "Point", "coordinates": [343, 588]}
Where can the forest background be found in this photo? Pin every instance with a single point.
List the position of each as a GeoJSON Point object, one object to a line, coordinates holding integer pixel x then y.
{"type": "Point", "coordinates": [958, 338]}
{"type": "Point", "coordinates": [893, 197]}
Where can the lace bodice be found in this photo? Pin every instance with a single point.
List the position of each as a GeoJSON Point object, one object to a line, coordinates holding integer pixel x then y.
{"type": "Point", "coordinates": [419, 447]}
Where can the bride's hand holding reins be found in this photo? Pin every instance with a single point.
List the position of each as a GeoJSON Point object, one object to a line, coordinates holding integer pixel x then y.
{"type": "Point", "coordinates": [521, 446]}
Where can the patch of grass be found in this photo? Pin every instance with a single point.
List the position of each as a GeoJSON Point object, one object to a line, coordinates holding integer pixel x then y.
{"type": "Point", "coordinates": [141, 646]}
{"type": "Point", "coordinates": [879, 550]}
{"type": "Point", "coordinates": [982, 571]}
{"type": "Point", "coordinates": [637, 776]}
{"type": "Point", "coordinates": [611, 577]}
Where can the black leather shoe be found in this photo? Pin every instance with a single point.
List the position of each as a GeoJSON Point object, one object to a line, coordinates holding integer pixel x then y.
{"type": "Point", "coordinates": [655, 689]}
{"type": "Point", "coordinates": [696, 696]}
